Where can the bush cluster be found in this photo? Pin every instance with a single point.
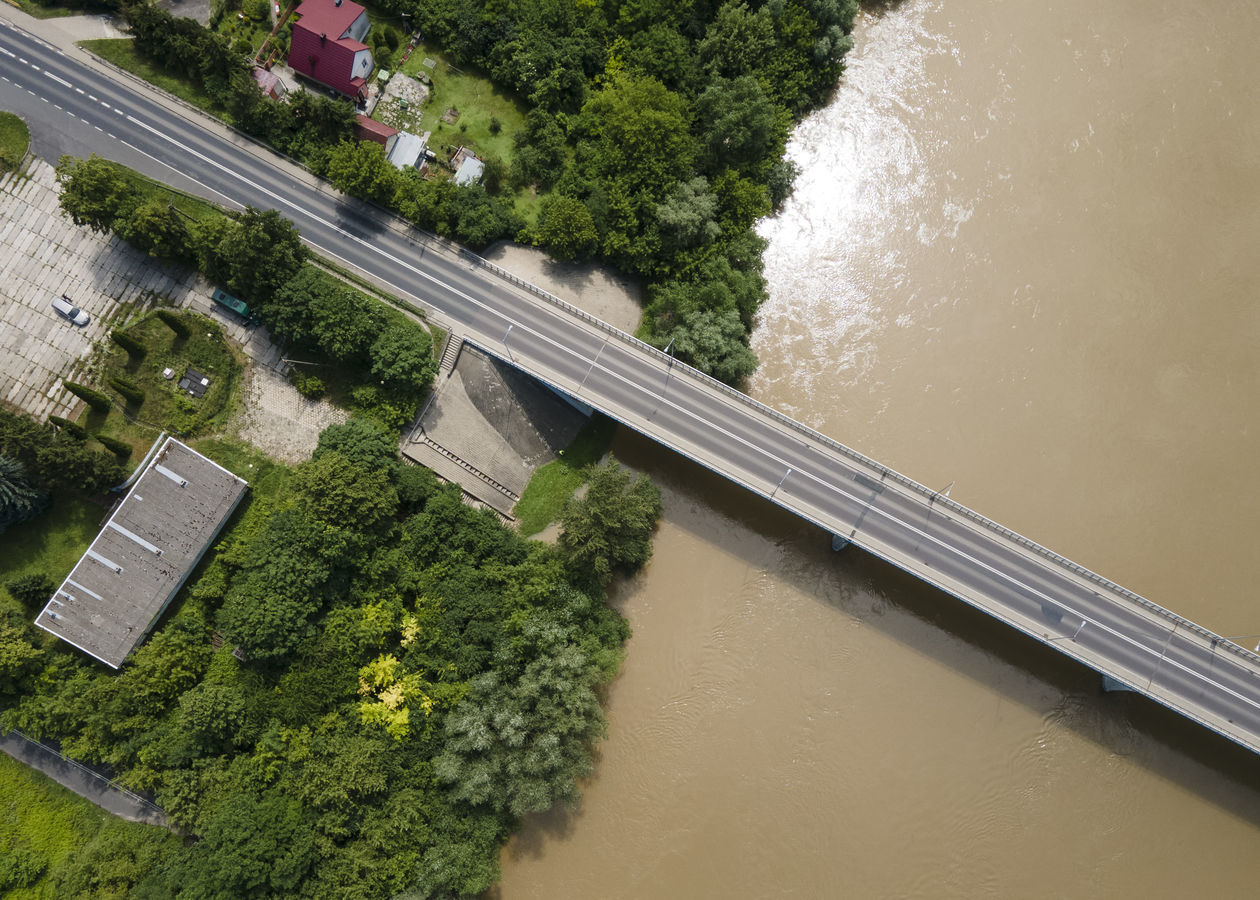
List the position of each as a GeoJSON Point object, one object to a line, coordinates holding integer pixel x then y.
{"type": "Point", "coordinates": [91, 396]}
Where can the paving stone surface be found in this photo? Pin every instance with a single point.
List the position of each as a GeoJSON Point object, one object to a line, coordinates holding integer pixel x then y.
{"type": "Point", "coordinates": [43, 254]}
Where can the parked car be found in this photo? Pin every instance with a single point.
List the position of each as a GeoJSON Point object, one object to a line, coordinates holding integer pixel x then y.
{"type": "Point", "coordinates": [67, 310]}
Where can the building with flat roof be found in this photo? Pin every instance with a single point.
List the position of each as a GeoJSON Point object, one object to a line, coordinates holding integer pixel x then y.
{"type": "Point", "coordinates": [144, 554]}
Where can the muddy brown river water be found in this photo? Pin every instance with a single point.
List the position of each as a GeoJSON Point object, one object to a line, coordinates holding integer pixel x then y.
{"type": "Point", "coordinates": [1022, 257]}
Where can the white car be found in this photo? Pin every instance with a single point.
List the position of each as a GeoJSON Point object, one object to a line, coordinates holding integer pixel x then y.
{"type": "Point", "coordinates": [67, 310]}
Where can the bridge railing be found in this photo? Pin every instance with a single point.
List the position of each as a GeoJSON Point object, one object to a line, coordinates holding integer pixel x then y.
{"type": "Point", "coordinates": [882, 470]}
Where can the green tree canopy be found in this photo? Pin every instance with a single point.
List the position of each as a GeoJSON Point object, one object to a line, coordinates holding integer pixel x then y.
{"type": "Point", "coordinates": [566, 229]}
{"type": "Point", "coordinates": [517, 746]}
{"type": "Point", "coordinates": [257, 254]}
{"type": "Point", "coordinates": [610, 528]}
{"type": "Point", "coordinates": [20, 497]}
{"type": "Point", "coordinates": [95, 192]}
{"type": "Point", "coordinates": [402, 357]}
{"type": "Point", "coordinates": [360, 168]}
{"type": "Point", "coordinates": [254, 846]}
{"type": "Point", "coordinates": [361, 441]}
{"type": "Point", "coordinates": [340, 493]}
{"type": "Point", "coordinates": [344, 322]}
{"type": "Point", "coordinates": [739, 125]}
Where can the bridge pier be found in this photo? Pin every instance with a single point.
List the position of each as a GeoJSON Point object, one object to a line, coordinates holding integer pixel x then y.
{"type": "Point", "coordinates": [838, 543]}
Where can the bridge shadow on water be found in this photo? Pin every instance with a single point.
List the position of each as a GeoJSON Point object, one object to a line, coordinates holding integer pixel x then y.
{"type": "Point", "coordinates": [1125, 724]}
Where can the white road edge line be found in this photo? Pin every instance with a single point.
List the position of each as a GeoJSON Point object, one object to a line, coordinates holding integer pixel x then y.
{"type": "Point", "coordinates": [827, 485]}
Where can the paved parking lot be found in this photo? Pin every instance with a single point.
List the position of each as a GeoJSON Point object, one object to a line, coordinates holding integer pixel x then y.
{"type": "Point", "coordinates": [44, 255]}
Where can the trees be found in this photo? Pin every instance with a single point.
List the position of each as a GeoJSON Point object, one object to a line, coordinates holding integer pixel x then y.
{"type": "Point", "coordinates": [402, 357]}
{"type": "Point", "coordinates": [256, 845]}
{"type": "Point", "coordinates": [20, 498]}
{"type": "Point", "coordinates": [31, 590]}
{"type": "Point", "coordinates": [157, 229]}
{"type": "Point", "coordinates": [288, 313]}
{"type": "Point", "coordinates": [361, 442]}
{"type": "Point", "coordinates": [518, 745]}
{"type": "Point", "coordinates": [93, 398]}
{"type": "Point", "coordinates": [344, 322]}
{"type": "Point", "coordinates": [255, 255]}
{"type": "Point", "coordinates": [94, 192]}
{"type": "Point", "coordinates": [688, 217]}
{"type": "Point", "coordinates": [737, 41]}
{"type": "Point", "coordinates": [56, 459]}
{"type": "Point", "coordinates": [713, 341]}
{"type": "Point", "coordinates": [114, 862]}
{"type": "Point", "coordinates": [342, 494]}
{"type": "Point", "coordinates": [740, 126]}
{"type": "Point", "coordinates": [611, 527]}
{"type": "Point", "coordinates": [360, 168]}
{"type": "Point", "coordinates": [566, 229]}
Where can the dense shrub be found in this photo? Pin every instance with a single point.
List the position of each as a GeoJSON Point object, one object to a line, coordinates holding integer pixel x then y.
{"type": "Point", "coordinates": [134, 348]}
{"type": "Point", "coordinates": [174, 321]}
{"type": "Point", "coordinates": [73, 429]}
{"type": "Point", "coordinates": [128, 388]}
{"type": "Point", "coordinates": [92, 397]}
{"type": "Point", "coordinates": [119, 448]}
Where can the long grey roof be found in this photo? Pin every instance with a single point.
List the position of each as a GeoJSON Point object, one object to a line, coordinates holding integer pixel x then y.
{"type": "Point", "coordinates": [143, 554]}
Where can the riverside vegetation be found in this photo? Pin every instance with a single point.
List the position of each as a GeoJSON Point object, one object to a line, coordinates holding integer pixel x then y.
{"type": "Point", "coordinates": [412, 676]}
{"type": "Point", "coordinates": [654, 133]}
{"type": "Point", "coordinates": [416, 676]}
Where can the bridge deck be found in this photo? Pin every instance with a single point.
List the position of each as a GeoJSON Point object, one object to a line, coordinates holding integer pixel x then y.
{"type": "Point", "coordinates": [1091, 619]}
{"type": "Point", "coordinates": [1114, 631]}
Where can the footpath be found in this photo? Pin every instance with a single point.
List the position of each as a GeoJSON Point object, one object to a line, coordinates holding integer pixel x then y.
{"type": "Point", "coordinates": [82, 780]}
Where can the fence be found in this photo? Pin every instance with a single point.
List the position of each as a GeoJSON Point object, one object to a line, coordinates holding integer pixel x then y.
{"type": "Point", "coordinates": [144, 809]}
{"type": "Point", "coordinates": [878, 468]}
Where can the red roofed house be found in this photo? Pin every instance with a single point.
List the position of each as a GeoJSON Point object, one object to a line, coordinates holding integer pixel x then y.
{"type": "Point", "coordinates": [366, 129]}
{"type": "Point", "coordinates": [327, 45]}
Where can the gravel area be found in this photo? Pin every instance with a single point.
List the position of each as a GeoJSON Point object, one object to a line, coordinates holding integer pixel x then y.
{"type": "Point", "coordinates": [601, 291]}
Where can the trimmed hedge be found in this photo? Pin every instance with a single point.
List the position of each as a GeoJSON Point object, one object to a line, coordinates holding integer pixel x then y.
{"type": "Point", "coordinates": [128, 389]}
{"type": "Point", "coordinates": [174, 322]}
{"type": "Point", "coordinates": [133, 347]}
{"type": "Point", "coordinates": [92, 397]}
{"type": "Point", "coordinates": [74, 429]}
{"type": "Point", "coordinates": [120, 448]}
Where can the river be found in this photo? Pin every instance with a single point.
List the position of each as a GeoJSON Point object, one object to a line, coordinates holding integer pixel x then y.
{"type": "Point", "coordinates": [1021, 259]}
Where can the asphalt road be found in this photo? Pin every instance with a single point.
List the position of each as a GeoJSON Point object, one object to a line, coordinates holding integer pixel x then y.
{"type": "Point", "coordinates": [1169, 659]}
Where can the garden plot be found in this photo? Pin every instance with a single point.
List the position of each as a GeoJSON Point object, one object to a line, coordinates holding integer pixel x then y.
{"type": "Point", "coordinates": [402, 103]}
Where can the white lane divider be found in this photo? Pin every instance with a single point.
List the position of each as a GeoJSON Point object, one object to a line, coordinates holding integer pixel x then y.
{"type": "Point", "coordinates": [8, 53]}
{"type": "Point", "coordinates": [1003, 576]}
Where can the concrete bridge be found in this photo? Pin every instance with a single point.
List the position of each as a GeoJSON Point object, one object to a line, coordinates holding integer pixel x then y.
{"type": "Point", "coordinates": [1131, 641]}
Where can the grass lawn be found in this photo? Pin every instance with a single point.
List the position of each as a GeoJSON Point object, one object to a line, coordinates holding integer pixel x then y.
{"type": "Point", "coordinates": [42, 825]}
{"type": "Point", "coordinates": [235, 26]}
{"type": "Point", "coordinates": [14, 139]}
{"type": "Point", "coordinates": [121, 52]}
{"type": "Point", "coordinates": [555, 482]}
{"type": "Point", "coordinates": [266, 477]}
{"type": "Point", "coordinates": [165, 407]}
{"type": "Point", "coordinates": [52, 542]}
{"type": "Point", "coordinates": [41, 11]}
{"type": "Point", "coordinates": [478, 102]}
